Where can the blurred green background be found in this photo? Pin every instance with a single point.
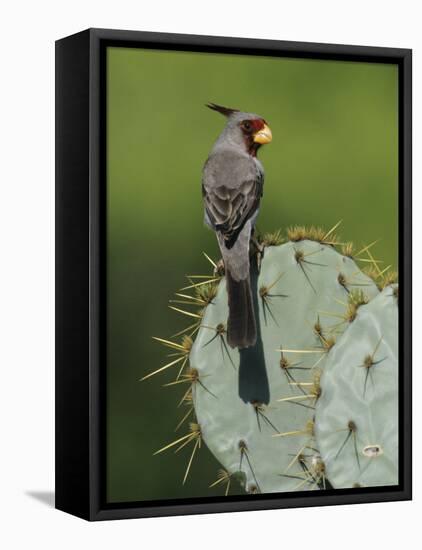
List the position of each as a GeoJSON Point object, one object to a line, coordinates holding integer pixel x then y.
{"type": "Point", "coordinates": [334, 156]}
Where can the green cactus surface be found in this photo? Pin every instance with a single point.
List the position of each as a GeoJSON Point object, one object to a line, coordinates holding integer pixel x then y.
{"type": "Point", "coordinates": [308, 294]}
{"type": "Point", "coordinates": [356, 422]}
{"type": "Point", "coordinates": [314, 402]}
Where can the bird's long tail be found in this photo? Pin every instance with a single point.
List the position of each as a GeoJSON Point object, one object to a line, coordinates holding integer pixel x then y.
{"type": "Point", "coordinates": [241, 327]}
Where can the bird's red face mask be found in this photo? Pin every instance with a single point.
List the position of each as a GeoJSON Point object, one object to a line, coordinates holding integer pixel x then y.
{"type": "Point", "coordinates": [256, 132]}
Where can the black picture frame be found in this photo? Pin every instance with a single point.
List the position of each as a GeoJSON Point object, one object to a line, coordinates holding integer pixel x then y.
{"type": "Point", "coordinates": [81, 279]}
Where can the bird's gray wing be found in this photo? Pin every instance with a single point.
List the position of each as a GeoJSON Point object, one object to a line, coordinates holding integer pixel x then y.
{"type": "Point", "coordinates": [232, 188]}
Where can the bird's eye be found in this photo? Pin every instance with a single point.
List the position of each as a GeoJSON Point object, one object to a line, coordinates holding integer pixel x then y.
{"type": "Point", "coordinates": [247, 125]}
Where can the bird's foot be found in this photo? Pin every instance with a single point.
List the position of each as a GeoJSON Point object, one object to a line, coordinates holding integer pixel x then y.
{"type": "Point", "coordinates": [219, 269]}
{"type": "Point", "coordinates": [257, 251]}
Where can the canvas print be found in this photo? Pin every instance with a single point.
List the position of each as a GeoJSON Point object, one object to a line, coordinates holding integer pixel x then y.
{"type": "Point", "coordinates": [252, 292]}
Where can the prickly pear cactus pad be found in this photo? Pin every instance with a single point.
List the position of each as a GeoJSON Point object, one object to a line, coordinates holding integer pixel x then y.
{"type": "Point", "coordinates": [255, 408]}
{"type": "Point", "coordinates": [304, 289]}
{"type": "Point", "coordinates": [357, 413]}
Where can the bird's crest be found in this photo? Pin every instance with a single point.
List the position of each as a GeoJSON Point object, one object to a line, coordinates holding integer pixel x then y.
{"type": "Point", "coordinates": [226, 111]}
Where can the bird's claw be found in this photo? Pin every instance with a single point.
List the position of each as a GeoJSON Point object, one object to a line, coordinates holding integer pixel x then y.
{"type": "Point", "coordinates": [219, 269]}
{"type": "Point", "coordinates": [259, 256]}
{"type": "Point", "coordinates": [258, 251]}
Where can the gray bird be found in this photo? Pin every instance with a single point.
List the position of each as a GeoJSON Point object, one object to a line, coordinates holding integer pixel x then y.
{"type": "Point", "coordinates": [232, 187]}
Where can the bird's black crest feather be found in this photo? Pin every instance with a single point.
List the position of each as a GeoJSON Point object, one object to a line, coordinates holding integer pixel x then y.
{"type": "Point", "coordinates": [226, 111]}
